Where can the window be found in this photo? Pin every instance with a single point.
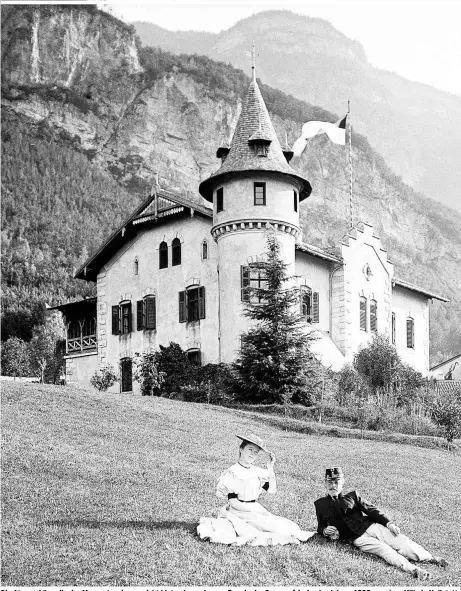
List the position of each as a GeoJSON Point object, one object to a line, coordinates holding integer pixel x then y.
{"type": "Point", "coordinates": [192, 304]}
{"type": "Point", "coordinates": [146, 313]}
{"type": "Point", "coordinates": [176, 252]}
{"type": "Point", "coordinates": [204, 250]}
{"type": "Point", "coordinates": [136, 266]}
{"type": "Point", "coordinates": [252, 278]}
{"type": "Point", "coordinates": [195, 357]}
{"type": "Point", "coordinates": [125, 310]}
{"type": "Point", "coordinates": [373, 316]}
{"type": "Point", "coordinates": [163, 255]}
{"type": "Point", "coordinates": [306, 303]}
{"type": "Point", "coordinates": [219, 200]}
{"type": "Point", "coordinates": [126, 367]}
{"type": "Point", "coordinates": [260, 193]}
{"type": "Point", "coordinates": [260, 148]}
{"type": "Point", "coordinates": [121, 318]}
{"type": "Point", "coordinates": [363, 313]}
{"type": "Point", "coordinates": [295, 200]}
{"type": "Point", "coordinates": [410, 333]}
{"type": "Point", "coordinates": [393, 328]}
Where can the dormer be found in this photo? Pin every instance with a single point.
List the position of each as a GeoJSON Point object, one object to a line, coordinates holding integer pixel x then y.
{"type": "Point", "coordinates": [223, 151]}
{"type": "Point", "coordinates": [260, 142]}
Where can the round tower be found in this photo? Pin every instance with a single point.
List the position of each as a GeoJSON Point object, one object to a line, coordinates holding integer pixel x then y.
{"type": "Point", "coordinates": [254, 190]}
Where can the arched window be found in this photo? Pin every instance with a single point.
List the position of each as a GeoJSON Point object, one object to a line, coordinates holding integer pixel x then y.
{"type": "Point", "coordinates": [204, 250]}
{"type": "Point", "coordinates": [136, 266]}
{"type": "Point", "coordinates": [163, 255]}
{"type": "Point", "coordinates": [176, 252]}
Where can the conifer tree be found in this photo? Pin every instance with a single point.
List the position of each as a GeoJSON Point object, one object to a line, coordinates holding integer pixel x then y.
{"type": "Point", "coordinates": [274, 365]}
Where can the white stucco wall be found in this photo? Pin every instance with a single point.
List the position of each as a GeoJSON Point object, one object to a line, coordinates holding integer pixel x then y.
{"type": "Point", "coordinates": [80, 369]}
{"type": "Point", "coordinates": [315, 273]}
{"type": "Point", "coordinates": [407, 303]}
{"type": "Point", "coordinates": [117, 282]}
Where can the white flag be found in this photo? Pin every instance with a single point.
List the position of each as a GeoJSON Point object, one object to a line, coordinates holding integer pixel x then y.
{"type": "Point", "coordinates": [335, 131]}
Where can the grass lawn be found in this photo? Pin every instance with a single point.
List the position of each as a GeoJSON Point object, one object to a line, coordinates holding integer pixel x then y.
{"type": "Point", "coordinates": [106, 489]}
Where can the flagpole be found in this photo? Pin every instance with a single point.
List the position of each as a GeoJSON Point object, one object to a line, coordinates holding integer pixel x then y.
{"type": "Point", "coordinates": [350, 165]}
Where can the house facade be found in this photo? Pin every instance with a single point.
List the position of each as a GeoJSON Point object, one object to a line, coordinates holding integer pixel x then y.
{"type": "Point", "coordinates": [176, 270]}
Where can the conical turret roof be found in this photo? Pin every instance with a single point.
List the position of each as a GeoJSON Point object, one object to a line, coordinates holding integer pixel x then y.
{"type": "Point", "coordinates": [254, 121]}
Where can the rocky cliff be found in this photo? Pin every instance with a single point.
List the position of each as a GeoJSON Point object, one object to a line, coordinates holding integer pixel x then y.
{"type": "Point", "coordinates": [76, 72]}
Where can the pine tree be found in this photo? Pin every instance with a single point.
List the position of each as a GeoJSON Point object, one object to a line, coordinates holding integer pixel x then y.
{"type": "Point", "coordinates": [274, 365]}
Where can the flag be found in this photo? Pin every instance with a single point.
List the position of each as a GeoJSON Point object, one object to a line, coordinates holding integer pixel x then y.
{"type": "Point", "coordinates": [335, 131]}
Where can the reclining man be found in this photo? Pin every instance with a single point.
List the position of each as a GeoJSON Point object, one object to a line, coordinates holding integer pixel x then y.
{"type": "Point", "coordinates": [341, 516]}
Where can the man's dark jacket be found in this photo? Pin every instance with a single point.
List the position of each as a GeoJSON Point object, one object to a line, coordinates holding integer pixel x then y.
{"type": "Point", "coordinates": [347, 515]}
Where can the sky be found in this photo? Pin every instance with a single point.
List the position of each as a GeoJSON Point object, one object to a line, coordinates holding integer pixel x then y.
{"type": "Point", "coordinates": [417, 39]}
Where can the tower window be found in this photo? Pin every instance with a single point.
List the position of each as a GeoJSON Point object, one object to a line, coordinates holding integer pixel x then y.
{"type": "Point", "coordinates": [163, 255]}
{"type": "Point", "coordinates": [219, 200]}
{"type": "Point", "coordinates": [260, 193]}
{"type": "Point", "coordinates": [295, 200]}
{"type": "Point", "coordinates": [136, 266]}
{"type": "Point", "coordinates": [363, 313]}
{"type": "Point", "coordinates": [252, 280]}
{"type": "Point", "coordinates": [176, 252]}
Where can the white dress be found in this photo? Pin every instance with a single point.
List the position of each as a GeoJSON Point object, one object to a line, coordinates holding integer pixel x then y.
{"type": "Point", "coordinates": [258, 526]}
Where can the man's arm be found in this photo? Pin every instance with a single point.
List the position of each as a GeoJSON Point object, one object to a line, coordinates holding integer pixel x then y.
{"type": "Point", "coordinates": [321, 520]}
{"type": "Point", "coordinates": [371, 510]}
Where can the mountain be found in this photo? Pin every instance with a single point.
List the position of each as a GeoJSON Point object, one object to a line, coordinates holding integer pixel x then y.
{"type": "Point", "coordinates": [88, 118]}
{"type": "Point", "coordinates": [412, 125]}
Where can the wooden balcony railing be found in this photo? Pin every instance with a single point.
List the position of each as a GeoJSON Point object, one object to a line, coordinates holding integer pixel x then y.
{"type": "Point", "coordinates": [81, 344]}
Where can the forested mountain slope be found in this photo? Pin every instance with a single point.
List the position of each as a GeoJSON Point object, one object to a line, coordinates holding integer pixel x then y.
{"type": "Point", "coordinates": [88, 119]}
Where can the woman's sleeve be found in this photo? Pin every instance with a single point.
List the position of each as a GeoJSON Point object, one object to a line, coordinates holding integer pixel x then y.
{"type": "Point", "coordinates": [270, 484]}
{"type": "Point", "coordinates": [225, 485]}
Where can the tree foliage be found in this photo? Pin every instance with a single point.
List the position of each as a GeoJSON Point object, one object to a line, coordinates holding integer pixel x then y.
{"type": "Point", "coordinates": [147, 374]}
{"type": "Point", "coordinates": [446, 412]}
{"type": "Point", "coordinates": [104, 378]}
{"type": "Point", "coordinates": [274, 360]}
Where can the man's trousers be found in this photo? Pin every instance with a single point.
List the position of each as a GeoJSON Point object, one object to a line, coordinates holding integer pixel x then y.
{"type": "Point", "coordinates": [395, 550]}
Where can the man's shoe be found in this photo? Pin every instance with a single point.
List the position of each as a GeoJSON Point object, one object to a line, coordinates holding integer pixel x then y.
{"type": "Point", "coordinates": [419, 573]}
{"type": "Point", "coordinates": [439, 561]}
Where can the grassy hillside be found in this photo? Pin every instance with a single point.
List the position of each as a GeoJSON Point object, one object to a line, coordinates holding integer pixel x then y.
{"type": "Point", "coordinates": [107, 489]}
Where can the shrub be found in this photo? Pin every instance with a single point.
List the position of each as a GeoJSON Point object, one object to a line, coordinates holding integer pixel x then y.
{"type": "Point", "coordinates": [104, 378]}
{"type": "Point", "coordinates": [176, 369]}
{"type": "Point", "coordinates": [446, 412]}
{"type": "Point", "coordinates": [147, 374]}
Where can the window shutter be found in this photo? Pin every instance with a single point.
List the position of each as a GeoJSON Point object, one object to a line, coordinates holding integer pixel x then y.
{"type": "Point", "coordinates": [115, 320]}
{"type": "Point", "coordinates": [182, 306]}
{"type": "Point", "coordinates": [139, 315]}
{"type": "Point", "coordinates": [150, 313]}
{"type": "Point", "coordinates": [315, 307]}
{"type": "Point", "coordinates": [201, 302]}
{"type": "Point", "coordinates": [410, 333]}
{"type": "Point", "coordinates": [130, 323]}
{"type": "Point", "coordinates": [363, 313]}
{"type": "Point", "coordinates": [373, 316]}
{"type": "Point", "coordinates": [245, 283]}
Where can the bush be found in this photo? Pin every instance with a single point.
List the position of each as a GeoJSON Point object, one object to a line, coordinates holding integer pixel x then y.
{"type": "Point", "coordinates": [176, 369]}
{"type": "Point", "coordinates": [147, 374]}
{"type": "Point", "coordinates": [446, 412]}
{"type": "Point", "coordinates": [104, 378]}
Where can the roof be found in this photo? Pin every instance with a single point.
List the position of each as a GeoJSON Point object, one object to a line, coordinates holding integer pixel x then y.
{"type": "Point", "coordinates": [415, 288]}
{"type": "Point", "coordinates": [87, 302]}
{"type": "Point", "coordinates": [315, 251]}
{"type": "Point", "coordinates": [154, 210]}
{"type": "Point", "coordinates": [254, 122]}
{"type": "Point", "coordinates": [446, 361]}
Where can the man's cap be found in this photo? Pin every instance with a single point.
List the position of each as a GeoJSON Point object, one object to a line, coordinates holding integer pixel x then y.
{"type": "Point", "coordinates": [333, 473]}
{"type": "Point", "coordinates": [253, 439]}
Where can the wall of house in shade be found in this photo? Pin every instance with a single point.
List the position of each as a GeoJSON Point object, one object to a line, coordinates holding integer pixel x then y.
{"type": "Point", "coordinates": [134, 274]}
{"type": "Point", "coordinates": [315, 274]}
{"type": "Point", "coordinates": [411, 309]}
{"type": "Point", "coordinates": [80, 368]}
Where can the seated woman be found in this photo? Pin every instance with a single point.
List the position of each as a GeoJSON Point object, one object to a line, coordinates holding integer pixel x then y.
{"type": "Point", "coordinates": [243, 520]}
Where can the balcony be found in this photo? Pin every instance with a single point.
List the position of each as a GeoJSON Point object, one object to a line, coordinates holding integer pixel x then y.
{"type": "Point", "coordinates": [81, 344]}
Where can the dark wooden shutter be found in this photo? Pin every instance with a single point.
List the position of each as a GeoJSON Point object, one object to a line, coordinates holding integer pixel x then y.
{"type": "Point", "coordinates": [410, 333]}
{"type": "Point", "coordinates": [393, 328]}
{"type": "Point", "coordinates": [150, 313]}
{"type": "Point", "coordinates": [182, 306]}
{"type": "Point", "coordinates": [139, 314]}
{"type": "Point", "coordinates": [315, 307]}
{"type": "Point", "coordinates": [245, 283]}
{"type": "Point", "coordinates": [201, 302]}
{"type": "Point", "coordinates": [130, 320]}
{"type": "Point", "coordinates": [373, 316]}
{"type": "Point", "coordinates": [363, 313]}
{"type": "Point", "coordinates": [115, 320]}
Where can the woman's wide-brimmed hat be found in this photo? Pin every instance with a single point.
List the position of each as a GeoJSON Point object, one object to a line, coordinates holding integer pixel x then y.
{"type": "Point", "coordinates": [251, 438]}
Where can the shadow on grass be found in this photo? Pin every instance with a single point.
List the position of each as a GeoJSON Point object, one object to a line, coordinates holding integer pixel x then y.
{"type": "Point", "coordinates": [126, 524]}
